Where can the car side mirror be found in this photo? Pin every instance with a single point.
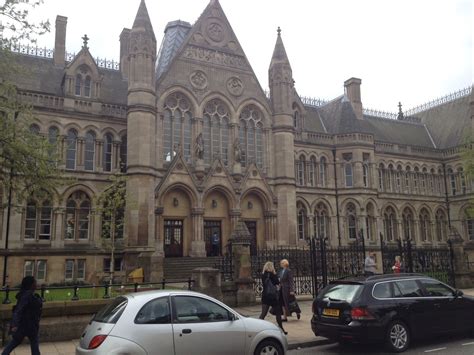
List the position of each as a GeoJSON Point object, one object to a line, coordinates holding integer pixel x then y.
{"type": "Point", "coordinates": [458, 293]}
{"type": "Point", "coordinates": [232, 317]}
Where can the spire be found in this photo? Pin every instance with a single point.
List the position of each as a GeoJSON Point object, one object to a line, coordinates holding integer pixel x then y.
{"type": "Point", "coordinates": [279, 53]}
{"type": "Point", "coordinates": [142, 20]}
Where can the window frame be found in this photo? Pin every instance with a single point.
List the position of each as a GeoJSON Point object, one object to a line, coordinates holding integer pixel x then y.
{"type": "Point", "coordinates": [230, 315]}
{"type": "Point", "coordinates": [170, 312]}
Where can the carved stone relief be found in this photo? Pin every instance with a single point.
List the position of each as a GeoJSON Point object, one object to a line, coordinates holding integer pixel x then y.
{"type": "Point", "coordinates": [235, 86]}
{"type": "Point", "coordinates": [198, 80]}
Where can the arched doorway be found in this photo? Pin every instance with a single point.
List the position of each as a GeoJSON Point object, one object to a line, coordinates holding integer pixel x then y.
{"type": "Point", "coordinates": [176, 223]}
{"type": "Point", "coordinates": [216, 223]}
{"type": "Point", "coordinates": [253, 209]}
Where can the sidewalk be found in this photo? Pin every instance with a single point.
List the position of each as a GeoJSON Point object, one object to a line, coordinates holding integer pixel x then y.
{"type": "Point", "coordinates": [299, 331]}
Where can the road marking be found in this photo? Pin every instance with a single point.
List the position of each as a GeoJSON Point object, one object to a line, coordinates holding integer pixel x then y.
{"type": "Point", "coordinates": [433, 350]}
{"type": "Point", "coordinates": [465, 344]}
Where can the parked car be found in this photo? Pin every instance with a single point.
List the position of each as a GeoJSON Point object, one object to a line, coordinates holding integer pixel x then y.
{"type": "Point", "coordinates": [390, 308]}
{"type": "Point", "coordinates": [177, 322]}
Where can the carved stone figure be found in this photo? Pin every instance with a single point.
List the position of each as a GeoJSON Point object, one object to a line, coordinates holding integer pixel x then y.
{"type": "Point", "coordinates": [237, 151]}
{"type": "Point", "coordinates": [199, 147]}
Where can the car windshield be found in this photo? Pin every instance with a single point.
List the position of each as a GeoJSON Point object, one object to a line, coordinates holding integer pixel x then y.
{"type": "Point", "coordinates": [112, 312]}
{"type": "Point", "coordinates": [342, 292]}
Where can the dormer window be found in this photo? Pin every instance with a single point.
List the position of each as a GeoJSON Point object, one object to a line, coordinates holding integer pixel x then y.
{"type": "Point", "coordinates": [83, 84]}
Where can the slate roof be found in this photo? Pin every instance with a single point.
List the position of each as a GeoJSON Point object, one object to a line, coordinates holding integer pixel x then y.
{"type": "Point", "coordinates": [41, 75]}
{"type": "Point", "coordinates": [448, 123]}
{"type": "Point", "coordinates": [175, 34]}
{"type": "Point", "coordinates": [338, 117]}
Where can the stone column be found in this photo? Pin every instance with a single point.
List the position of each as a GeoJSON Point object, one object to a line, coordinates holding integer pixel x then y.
{"type": "Point", "coordinates": [57, 239]}
{"type": "Point", "coordinates": [116, 156]}
{"type": "Point", "coordinates": [62, 152]}
{"type": "Point", "coordinates": [198, 246]}
{"type": "Point", "coordinates": [80, 154]}
{"type": "Point", "coordinates": [463, 277]}
{"type": "Point", "coordinates": [158, 256]}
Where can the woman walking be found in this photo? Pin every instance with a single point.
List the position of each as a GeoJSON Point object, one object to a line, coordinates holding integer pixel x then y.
{"type": "Point", "coordinates": [270, 293]}
{"type": "Point", "coordinates": [287, 289]}
{"type": "Point", "coordinates": [26, 317]}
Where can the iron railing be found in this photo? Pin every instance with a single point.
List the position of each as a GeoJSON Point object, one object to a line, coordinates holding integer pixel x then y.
{"type": "Point", "coordinates": [104, 291]}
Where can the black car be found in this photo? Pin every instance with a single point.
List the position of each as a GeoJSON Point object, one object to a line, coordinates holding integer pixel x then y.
{"type": "Point", "coordinates": [390, 308]}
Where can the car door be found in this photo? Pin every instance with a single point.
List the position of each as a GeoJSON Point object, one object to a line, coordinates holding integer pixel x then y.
{"type": "Point", "coordinates": [449, 308]}
{"type": "Point", "coordinates": [201, 326]}
{"type": "Point", "coordinates": [416, 309]}
{"type": "Point", "coordinates": [151, 328]}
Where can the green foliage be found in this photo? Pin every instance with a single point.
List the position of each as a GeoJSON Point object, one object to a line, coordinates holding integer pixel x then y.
{"type": "Point", "coordinates": [112, 206]}
{"type": "Point", "coordinates": [28, 162]}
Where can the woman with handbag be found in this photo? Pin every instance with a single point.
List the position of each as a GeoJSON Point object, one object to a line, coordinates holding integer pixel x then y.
{"type": "Point", "coordinates": [270, 293]}
{"type": "Point", "coordinates": [287, 291]}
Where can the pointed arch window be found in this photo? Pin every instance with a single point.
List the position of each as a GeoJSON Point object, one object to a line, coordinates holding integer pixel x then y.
{"type": "Point", "coordinates": [348, 173]}
{"type": "Point", "coordinates": [35, 129]}
{"type": "Point", "coordinates": [398, 179]}
{"type": "Point", "coordinates": [123, 154]}
{"type": "Point", "coordinates": [407, 224]}
{"type": "Point", "coordinates": [312, 172]}
{"type": "Point", "coordinates": [389, 178]}
{"type": "Point", "coordinates": [177, 127]}
{"type": "Point", "coordinates": [321, 221]}
{"type": "Point", "coordinates": [216, 132]}
{"type": "Point", "coordinates": [78, 211]}
{"type": "Point", "coordinates": [441, 226]}
{"type": "Point", "coordinates": [38, 218]}
{"type": "Point", "coordinates": [452, 181]}
{"type": "Point", "coordinates": [78, 88]}
{"type": "Point", "coordinates": [370, 222]}
{"type": "Point", "coordinates": [407, 180]}
{"type": "Point", "coordinates": [462, 179]}
{"type": "Point", "coordinates": [381, 177]}
{"type": "Point", "coordinates": [423, 177]}
{"type": "Point", "coordinates": [469, 223]}
{"type": "Point", "coordinates": [71, 150]}
{"type": "Point", "coordinates": [322, 172]}
{"type": "Point", "coordinates": [87, 86]}
{"type": "Point", "coordinates": [365, 174]}
{"type": "Point", "coordinates": [301, 222]}
{"type": "Point", "coordinates": [351, 218]}
{"type": "Point", "coordinates": [425, 226]}
{"type": "Point", "coordinates": [53, 133]}
{"type": "Point", "coordinates": [108, 147]}
{"type": "Point", "coordinates": [301, 170]}
{"type": "Point", "coordinates": [251, 136]}
{"type": "Point", "coordinates": [390, 224]}
{"type": "Point", "coordinates": [416, 173]}
{"type": "Point", "coordinates": [89, 151]}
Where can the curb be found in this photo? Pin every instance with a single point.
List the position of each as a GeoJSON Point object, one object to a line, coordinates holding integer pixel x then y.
{"type": "Point", "coordinates": [309, 344]}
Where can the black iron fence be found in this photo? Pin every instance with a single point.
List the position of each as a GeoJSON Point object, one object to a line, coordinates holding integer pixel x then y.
{"type": "Point", "coordinates": [436, 262]}
{"type": "Point", "coordinates": [77, 292]}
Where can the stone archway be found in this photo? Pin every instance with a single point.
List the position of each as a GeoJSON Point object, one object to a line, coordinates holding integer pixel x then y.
{"type": "Point", "coordinates": [217, 223]}
{"type": "Point", "coordinates": [253, 215]}
{"type": "Point", "coordinates": [176, 223]}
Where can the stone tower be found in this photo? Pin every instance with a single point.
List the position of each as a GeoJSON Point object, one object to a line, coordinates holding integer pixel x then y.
{"type": "Point", "coordinates": [281, 94]}
{"type": "Point", "coordinates": [141, 122]}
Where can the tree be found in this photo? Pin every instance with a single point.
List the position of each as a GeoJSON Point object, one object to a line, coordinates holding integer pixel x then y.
{"type": "Point", "coordinates": [28, 162]}
{"type": "Point", "coordinates": [112, 202]}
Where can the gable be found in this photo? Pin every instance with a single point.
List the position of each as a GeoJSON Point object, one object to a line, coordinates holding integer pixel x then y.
{"type": "Point", "coordinates": [211, 60]}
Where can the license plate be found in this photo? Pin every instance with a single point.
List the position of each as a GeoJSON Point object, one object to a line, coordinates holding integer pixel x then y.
{"type": "Point", "coordinates": [330, 312]}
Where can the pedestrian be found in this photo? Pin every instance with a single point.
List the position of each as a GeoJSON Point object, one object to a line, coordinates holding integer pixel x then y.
{"type": "Point", "coordinates": [270, 293]}
{"type": "Point", "coordinates": [397, 266]}
{"type": "Point", "coordinates": [26, 317]}
{"type": "Point", "coordinates": [215, 240]}
{"type": "Point", "coordinates": [370, 267]}
{"type": "Point", "coordinates": [287, 290]}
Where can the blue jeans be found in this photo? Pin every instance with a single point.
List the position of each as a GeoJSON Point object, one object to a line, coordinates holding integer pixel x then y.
{"type": "Point", "coordinates": [17, 338]}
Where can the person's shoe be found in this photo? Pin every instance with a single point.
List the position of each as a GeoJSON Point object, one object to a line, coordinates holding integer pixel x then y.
{"type": "Point", "coordinates": [298, 316]}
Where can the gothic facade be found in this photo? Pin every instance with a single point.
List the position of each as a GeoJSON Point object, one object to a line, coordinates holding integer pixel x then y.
{"type": "Point", "coordinates": [203, 147]}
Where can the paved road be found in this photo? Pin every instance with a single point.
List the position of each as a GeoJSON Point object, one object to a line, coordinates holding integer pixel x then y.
{"type": "Point", "coordinates": [456, 345]}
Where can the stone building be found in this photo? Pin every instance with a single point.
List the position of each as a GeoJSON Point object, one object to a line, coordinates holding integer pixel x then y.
{"type": "Point", "coordinates": [204, 147]}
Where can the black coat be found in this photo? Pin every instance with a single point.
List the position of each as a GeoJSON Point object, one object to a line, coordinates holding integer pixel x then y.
{"type": "Point", "coordinates": [27, 313]}
{"type": "Point", "coordinates": [275, 281]}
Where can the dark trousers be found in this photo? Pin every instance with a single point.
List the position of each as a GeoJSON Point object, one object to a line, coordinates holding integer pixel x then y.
{"type": "Point", "coordinates": [266, 308]}
{"type": "Point", "coordinates": [215, 250]}
{"type": "Point", "coordinates": [17, 338]}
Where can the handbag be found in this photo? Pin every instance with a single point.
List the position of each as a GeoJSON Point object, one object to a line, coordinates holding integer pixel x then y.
{"type": "Point", "coordinates": [270, 292]}
{"type": "Point", "coordinates": [293, 306]}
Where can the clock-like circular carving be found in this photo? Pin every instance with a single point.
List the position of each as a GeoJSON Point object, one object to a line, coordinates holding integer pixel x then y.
{"type": "Point", "coordinates": [235, 86]}
{"type": "Point", "coordinates": [198, 79]}
{"type": "Point", "coordinates": [215, 31]}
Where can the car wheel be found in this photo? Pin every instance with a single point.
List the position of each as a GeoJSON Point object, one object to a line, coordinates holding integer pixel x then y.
{"type": "Point", "coordinates": [398, 337]}
{"type": "Point", "coordinates": [269, 347]}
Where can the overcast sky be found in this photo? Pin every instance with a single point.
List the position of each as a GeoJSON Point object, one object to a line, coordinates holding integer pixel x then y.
{"type": "Point", "coordinates": [405, 50]}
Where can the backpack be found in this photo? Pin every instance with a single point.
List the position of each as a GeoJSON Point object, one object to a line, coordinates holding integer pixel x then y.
{"type": "Point", "coordinates": [270, 290]}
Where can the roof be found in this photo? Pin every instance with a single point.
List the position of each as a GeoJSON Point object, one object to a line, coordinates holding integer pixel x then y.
{"type": "Point", "coordinates": [175, 34]}
{"type": "Point", "coordinates": [380, 277]}
{"type": "Point", "coordinates": [447, 123]}
{"type": "Point", "coordinates": [313, 122]}
{"type": "Point", "coordinates": [142, 20]}
{"type": "Point", "coordinates": [40, 74]}
{"type": "Point", "coordinates": [338, 116]}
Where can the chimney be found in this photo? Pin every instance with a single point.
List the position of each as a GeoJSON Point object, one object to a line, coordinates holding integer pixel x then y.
{"type": "Point", "coordinates": [60, 41]}
{"type": "Point", "coordinates": [352, 91]}
{"type": "Point", "coordinates": [124, 50]}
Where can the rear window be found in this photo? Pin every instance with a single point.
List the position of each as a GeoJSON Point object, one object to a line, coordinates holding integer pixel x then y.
{"type": "Point", "coordinates": [112, 312]}
{"type": "Point", "coordinates": [342, 292]}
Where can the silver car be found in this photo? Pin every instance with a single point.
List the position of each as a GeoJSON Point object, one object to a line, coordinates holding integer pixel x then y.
{"type": "Point", "coordinates": [177, 323]}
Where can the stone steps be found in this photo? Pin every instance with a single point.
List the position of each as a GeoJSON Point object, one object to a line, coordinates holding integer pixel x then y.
{"type": "Point", "coordinates": [182, 268]}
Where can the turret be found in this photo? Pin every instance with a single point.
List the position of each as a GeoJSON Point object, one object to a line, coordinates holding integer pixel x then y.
{"type": "Point", "coordinates": [280, 77]}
